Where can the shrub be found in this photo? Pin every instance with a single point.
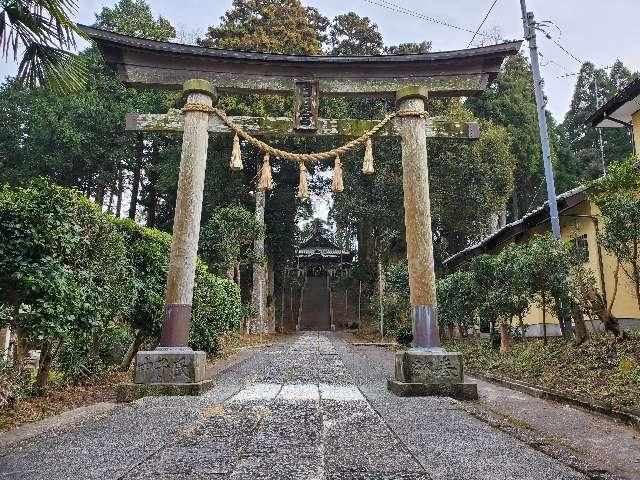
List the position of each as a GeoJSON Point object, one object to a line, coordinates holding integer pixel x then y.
{"type": "Point", "coordinates": [148, 250]}
{"type": "Point", "coordinates": [404, 336]}
{"type": "Point", "coordinates": [15, 384]}
{"type": "Point", "coordinates": [63, 268]}
{"type": "Point", "coordinates": [216, 301]}
{"type": "Point", "coordinates": [217, 308]}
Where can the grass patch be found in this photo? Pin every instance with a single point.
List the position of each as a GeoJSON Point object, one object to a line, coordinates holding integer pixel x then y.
{"type": "Point", "coordinates": [601, 370]}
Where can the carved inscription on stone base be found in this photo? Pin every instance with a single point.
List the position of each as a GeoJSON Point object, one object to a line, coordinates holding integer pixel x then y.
{"type": "Point", "coordinates": [416, 366]}
{"type": "Point", "coordinates": [170, 366]}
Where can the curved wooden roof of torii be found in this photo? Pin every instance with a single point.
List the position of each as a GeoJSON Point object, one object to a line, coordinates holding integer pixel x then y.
{"type": "Point", "coordinates": [168, 65]}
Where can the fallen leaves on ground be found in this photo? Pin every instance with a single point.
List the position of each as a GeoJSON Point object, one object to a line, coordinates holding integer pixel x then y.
{"type": "Point", "coordinates": [60, 399]}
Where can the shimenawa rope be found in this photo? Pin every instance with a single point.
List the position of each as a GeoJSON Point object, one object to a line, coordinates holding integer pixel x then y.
{"type": "Point", "coordinates": [301, 157]}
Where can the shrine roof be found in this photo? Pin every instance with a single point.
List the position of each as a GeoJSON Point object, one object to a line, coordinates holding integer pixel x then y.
{"type": "Point", "coordinates": [168, 65]}
{"type": "Point", "coordinates": [318, 240]}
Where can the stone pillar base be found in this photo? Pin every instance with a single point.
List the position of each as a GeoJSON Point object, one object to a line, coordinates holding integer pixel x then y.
{"type": "Point", "coordinates": [431, 372]}
{"type": "Point", "coordinates": [459, 391]}
{"type": "Point", "coordinates": [166, 371]}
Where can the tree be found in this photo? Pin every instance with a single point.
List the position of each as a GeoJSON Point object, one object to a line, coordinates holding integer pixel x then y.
{"type": "Point", "coordinates": [456, 305]}
{"type": "Point", "coordinates": [134, 17]}
{"type": "Point", "coordinates": [267, 26]}
{"type": "Point", "coordinates": [44, 31]}
{"type": "Point", "coordinates": [227, 238]}
{"type": "Point", "coordinates": [593, 88]}
{"type": "Point", "coordinates": [350, 34]}
{"type": "Point", "coordinates": [408, 48]}
{"type": "Point", "coordinates": [148, 252]}
{"type": "Point", "coordinates": [616, 196]}
{"type": "Point", "coordinates": [150, 153]}
{"type": "Point", "coordinates": [63, 269]}
{"type": "Point", "coordinates": [547, 268]}
{"type": "Point", "coordinates": [509, 102]}
{"type": "Point", "coordinates": [277, 27]}
{"type": "Point", "coordinates": [512, 297]}
{"type": "Point", "coordinates": [78, 140]}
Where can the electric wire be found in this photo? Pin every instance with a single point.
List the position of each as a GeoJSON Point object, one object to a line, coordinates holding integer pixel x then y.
{"type": "Point", "coordinates": [400, 9]}
{"type": "Point", "coordinates": [482, 23]}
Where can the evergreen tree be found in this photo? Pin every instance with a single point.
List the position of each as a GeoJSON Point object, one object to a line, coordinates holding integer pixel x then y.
{"type": "Point", "coordinates": [593, 88]}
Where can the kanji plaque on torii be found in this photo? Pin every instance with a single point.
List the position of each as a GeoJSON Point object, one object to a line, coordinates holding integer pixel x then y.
{"type": "Point", "coordinates": [204, 73]}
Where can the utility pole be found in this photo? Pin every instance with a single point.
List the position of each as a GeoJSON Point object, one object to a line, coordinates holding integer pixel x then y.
{"type": "Point", "coordinates": [529, 24]}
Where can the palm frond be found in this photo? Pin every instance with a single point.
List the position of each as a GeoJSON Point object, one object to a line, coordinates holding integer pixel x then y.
{"type": "Point", "coordinates": [44, 30]}
{"type": "Point", "coordinates": [53, 68]}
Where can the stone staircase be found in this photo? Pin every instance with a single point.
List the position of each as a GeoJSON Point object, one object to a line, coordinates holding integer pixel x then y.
{"type": "Point", "coordinates": [315, 305]}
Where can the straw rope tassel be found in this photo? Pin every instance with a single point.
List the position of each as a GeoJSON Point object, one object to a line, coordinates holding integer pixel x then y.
{"type": "Point", "coordinates": [266, 181]}
{"type": "Point", "coordinates": [367, 164]}
{"type": "Point", "coordinates": [303, 187]}
{"type": "Point", "coordinates": [337, 185]}
{"type": "Point", "coordinates": [236, 155]}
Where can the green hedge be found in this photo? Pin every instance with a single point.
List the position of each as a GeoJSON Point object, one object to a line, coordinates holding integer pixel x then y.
{"type": "Point", "coordinates": [216, 301]}
{"type": "Point", "coordinates": [70, 276]}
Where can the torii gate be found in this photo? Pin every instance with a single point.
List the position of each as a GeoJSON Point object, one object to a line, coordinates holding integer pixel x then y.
{"type": "Point", "coordinates": [202, 73]}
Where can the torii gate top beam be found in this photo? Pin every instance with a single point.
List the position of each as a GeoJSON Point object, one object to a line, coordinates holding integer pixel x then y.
{"type": "Point", "coordinates": [167, 65]}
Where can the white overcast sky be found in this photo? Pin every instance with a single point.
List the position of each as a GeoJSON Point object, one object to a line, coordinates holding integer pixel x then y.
{"type": "Point", "coordinates": [595, 30]}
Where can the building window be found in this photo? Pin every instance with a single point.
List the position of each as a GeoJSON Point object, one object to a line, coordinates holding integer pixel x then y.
{"type": "Point", "coordinates": [581, 245]}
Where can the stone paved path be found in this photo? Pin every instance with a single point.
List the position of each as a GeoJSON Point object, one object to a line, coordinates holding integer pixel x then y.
{"type": "Point", "coordinates": [308, 407]}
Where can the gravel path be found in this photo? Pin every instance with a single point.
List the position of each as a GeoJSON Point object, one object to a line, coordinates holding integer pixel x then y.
{"type": "Point", "coordinates": [308, 407]}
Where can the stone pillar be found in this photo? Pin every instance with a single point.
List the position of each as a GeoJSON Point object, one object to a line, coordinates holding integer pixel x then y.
{"type": "Point", "coordinates": [186, 220]}
{"type": "Point", "coordinates": [417, 219]}
{"type": "Point", "coordinates": [173, 368]}
{"type": "Point", "coordinates": [425, 369]}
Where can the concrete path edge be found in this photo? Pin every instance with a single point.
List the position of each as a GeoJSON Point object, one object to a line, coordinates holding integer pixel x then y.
{"type": "Point", "coordinates": [629, 416]}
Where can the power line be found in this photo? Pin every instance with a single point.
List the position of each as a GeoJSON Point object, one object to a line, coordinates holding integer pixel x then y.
{"type": "Point", "coordinates": [400, 9]}
{"type": "Point", "coordinates": [566, 51]}
{"type": "Point", "coordinates": [482, 23]}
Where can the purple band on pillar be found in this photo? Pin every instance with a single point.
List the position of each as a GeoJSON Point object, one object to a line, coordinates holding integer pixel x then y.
{"type": "Point", "coordinates": [175, 332]}
{"type": "Point", "coordinates": [424, 319]}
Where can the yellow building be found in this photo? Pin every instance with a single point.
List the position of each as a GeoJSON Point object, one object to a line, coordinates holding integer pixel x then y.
{"type": "Point", "coordinates": [621, 111]}
{"type": "Point", "coordinates": [578, 223]}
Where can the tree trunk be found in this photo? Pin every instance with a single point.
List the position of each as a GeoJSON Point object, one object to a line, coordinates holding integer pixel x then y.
{"type": "Point", "coordinates": [366, 247]}
{"type": "Point", "coordinates": [259, 286]}
{"type": "Point", "coordinates": [100, 190]}
{"type": "Point", "coordinates": [20, 345]}
{"type": "Point", "coordinates": [521, 324]}
{"type": "Point", "coordinates": [612, 325]}
{"type": "Point", "coordinates": [94, 347]}
{"type": "Point", "coordinates": [231, 272]}
{"type": "Point", "coordinates": [582, 335]}
{"type": "Point", "coordinates": [120, 189]}
{"type": "Point", "coordinates": [381, 287]}
{"type": "Point", "coordinates": [137, 173]}
{"type": "Point", "coordinates": [505, 338]}
{"type": "Point", "coordinates": [152, 199]}
{"type": "Point", "coordinates": [595, 302]}
{"type": "Point", "coordinates": [110, 204]}
{"type": "Point", "coordinates": [42, 377]}
{"type": "Point", "coordinates": [21, 349]}
{"type": "Point", "coordinates": [451, 331]}
{"type": "Point", "coordinates": [462, 331]}
{"type": "Point", "coordinates": [544, 319]}
{"type": "Point", "coordinates": [125, 365]}
{"type": "Point", "coordinates": [515, 206]}
{"type": "Point", "coordinates": [271, 296]}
